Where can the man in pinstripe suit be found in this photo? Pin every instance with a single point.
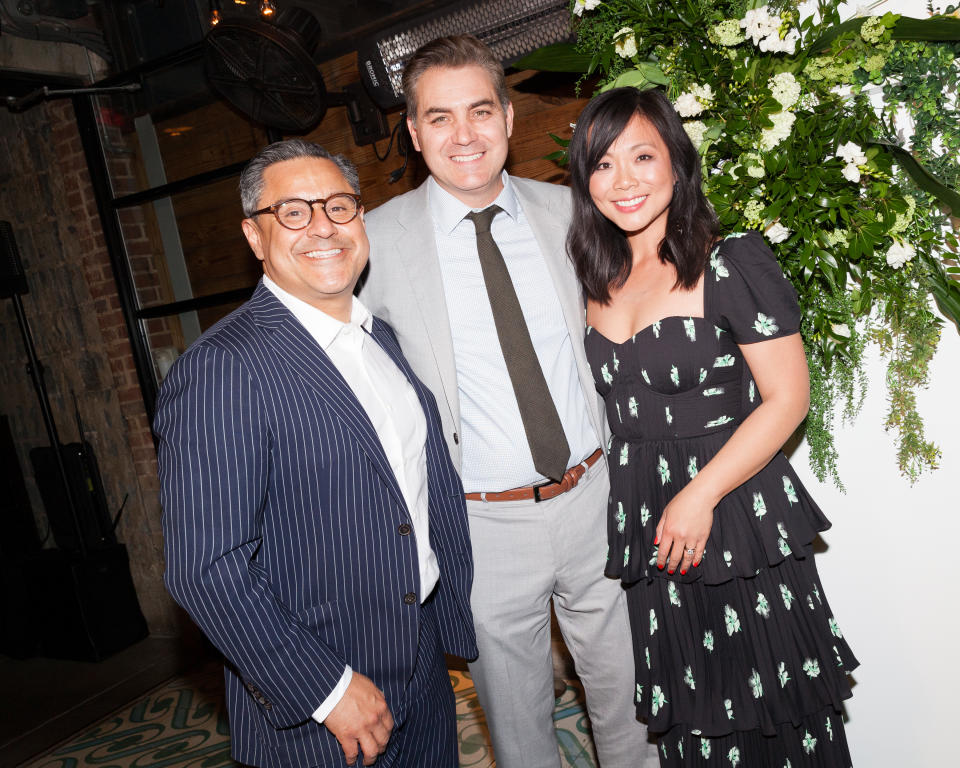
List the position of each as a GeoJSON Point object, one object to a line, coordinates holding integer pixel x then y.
{"type": "Point", "coordinates": [314, 525]}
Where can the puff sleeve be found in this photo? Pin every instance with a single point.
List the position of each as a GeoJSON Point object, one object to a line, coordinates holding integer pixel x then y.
{"type": "Point", "coordinates": [746, 292]}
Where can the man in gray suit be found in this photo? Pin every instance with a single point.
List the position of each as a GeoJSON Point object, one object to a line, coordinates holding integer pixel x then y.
{"type": "Point", "coordinates": [470, 270]}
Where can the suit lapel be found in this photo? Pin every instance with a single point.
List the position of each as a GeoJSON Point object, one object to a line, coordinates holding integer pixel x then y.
{"type": "Point", "coordinates": [553, 244]}
{"type": "Point", "coordinates": [300, 352]}
{"type": "Point", "coordinates": [416, 247]}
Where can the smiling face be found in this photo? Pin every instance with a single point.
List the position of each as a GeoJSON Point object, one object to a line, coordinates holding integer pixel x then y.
{"type": "Point", "coordinates": [632, 184]}
{"type": "Point", "coordinates": [462, 131]}
{"type": "Point", "coordinates": [321, 263]}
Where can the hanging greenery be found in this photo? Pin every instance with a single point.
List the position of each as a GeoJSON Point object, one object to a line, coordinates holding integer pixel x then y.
{"type": "Point", "coordinates": [780, 108]}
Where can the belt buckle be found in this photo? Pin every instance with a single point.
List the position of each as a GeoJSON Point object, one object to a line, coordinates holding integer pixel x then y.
{"type": "Point", "coordinates": [536, 490]}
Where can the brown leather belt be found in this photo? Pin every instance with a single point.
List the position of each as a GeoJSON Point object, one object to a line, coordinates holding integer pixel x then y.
{"type": "Point", "coordinates": [543, 491]}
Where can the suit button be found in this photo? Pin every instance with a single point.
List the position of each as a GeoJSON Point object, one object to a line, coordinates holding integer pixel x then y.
{"type": "Point", "coordinates": [456, 438]}
{"type": "Point", "coordinates": [267, 705]}
{"type": "Point", "coordinates": [410, 598]}
{"type": "Point", "coordinates": [404, 529]}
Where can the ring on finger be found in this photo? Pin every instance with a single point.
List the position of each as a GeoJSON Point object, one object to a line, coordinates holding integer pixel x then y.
{"type": "Point", "coordinates": [691, 551]}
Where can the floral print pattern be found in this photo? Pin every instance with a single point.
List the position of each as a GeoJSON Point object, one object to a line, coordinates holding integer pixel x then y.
{"type": "Point", "coordinates": [674, 393]}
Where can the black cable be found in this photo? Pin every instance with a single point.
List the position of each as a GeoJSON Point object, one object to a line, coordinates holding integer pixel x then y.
{"type": "Point", "coordinates": [403, 149]}
{"type": "Point", "coordinates": [400, 134]}
{"type": "Point", "coordinates": [393, 135]}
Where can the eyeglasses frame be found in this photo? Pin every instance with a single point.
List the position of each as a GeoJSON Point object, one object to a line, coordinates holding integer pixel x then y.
{"type": "Point", "coordinates": [323, 206]}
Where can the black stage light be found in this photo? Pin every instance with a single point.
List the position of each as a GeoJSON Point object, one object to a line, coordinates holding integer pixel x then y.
{"type": "Point", "coordinates": [512, 29]}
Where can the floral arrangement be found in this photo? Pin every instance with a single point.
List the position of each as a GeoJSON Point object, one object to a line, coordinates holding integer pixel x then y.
{"type": "Point", "coordinates": [792, 146]}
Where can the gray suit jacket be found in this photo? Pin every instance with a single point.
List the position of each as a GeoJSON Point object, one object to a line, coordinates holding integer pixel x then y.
{"type": "Point", "coordinates": [404, 286]}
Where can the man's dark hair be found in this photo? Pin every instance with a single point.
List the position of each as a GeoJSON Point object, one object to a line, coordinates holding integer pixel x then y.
{"type": "Point", "coordinates": [452, 52]}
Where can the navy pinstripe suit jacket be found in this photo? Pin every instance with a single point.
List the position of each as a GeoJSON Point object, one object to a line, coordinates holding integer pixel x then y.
{"type": "Point", "coordinates": [280, 520]}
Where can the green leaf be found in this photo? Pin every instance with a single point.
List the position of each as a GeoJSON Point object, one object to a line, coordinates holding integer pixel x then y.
{"type": "Point", "coordinates": [645, 75]}
{"type": "Point", "coordinates": [945, 290]}
{"type": "Point", "coordinates": [832, 33]}
{"type": "Point", "coordinates": [936, 28]}
{"type": "Point", "coordinates": [922, 177]}
{"type": "Point", "coordinates": [559, 57]}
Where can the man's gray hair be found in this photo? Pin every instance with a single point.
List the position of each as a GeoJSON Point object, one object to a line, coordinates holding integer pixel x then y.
{"type": "Point", "coordinates": [251, 179]}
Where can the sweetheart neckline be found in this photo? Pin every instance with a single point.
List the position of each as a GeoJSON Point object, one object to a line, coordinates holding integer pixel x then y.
{"type": "Point", "coordinates": [645, 328]}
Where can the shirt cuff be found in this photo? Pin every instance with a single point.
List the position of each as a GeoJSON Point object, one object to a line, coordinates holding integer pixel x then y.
{"type": "Point", "coordinates": [334, 698]}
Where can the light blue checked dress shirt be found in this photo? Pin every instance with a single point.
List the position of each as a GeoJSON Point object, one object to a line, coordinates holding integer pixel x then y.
{"type": "Point", "coordinates": [496, 455]}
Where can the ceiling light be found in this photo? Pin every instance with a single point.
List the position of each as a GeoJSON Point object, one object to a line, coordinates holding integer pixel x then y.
{"type": "Point", "coordinates": [267, 9]}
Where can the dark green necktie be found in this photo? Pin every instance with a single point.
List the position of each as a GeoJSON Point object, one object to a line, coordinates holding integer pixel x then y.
{"type": "Point", "coordinates": [548, 444]}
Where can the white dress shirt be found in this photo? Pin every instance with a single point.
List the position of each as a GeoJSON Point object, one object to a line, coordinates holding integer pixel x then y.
{"type": "Point", "coordinates": [496, 454]}
{"type": "Point", "coordinates": [396, 414]}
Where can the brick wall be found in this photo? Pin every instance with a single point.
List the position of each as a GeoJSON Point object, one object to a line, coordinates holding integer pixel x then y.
{"type": "Point", "coordinates": [80, 336]}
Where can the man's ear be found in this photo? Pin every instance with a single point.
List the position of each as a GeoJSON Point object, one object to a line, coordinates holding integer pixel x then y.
{"type": "Point", "coordinates": [509, 119]}
{"type": "Point", "coordinates": [412, 127]}
{"type": "Point", "coordinates": [252, 232]}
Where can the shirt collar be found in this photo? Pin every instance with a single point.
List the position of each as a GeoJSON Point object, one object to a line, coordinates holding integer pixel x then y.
{"type": "Point", "coordinates": [321, 326]}
{"type": "Point", "coordinates": [447, 211]}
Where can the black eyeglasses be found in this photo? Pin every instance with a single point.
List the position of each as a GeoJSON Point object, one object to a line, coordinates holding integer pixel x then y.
{"type": "Point", "coordinates": [341, 208]}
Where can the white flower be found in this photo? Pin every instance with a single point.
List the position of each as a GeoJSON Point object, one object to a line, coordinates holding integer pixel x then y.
{"type": "Point", "coordinates": [899, 254]}
{"type": "Point", "coordinates": [851, 153]}
{"type": "Point", "coordinates": [754, 164]}
{"type": "Point", "coordinates": [687, 105]}
{"type": "Point", "coordinates": [777, 233]}
{"type": "Point", "coordinates": [695, 130]}
{"type": "Point", "coordinates": [789, 43]}
{"type": "Point", "coordinates": [851, 173]}
{"type": "Point", "coordinates": [579, 6]}
{"type": "Point", "coordinates": [782, 127]}
{"type": "Point", "coordinates": [773, 44]}
{"type": "Point", "coordinates": [841, 329]}
{"type": "Point", "coordinates": [785, 89]}
{"type": "Point", "coordinates": [704, 94]}
{"type": "Point", "coordinates": [757, 24]}
{"type": "Point", "coordinates": [624, 43]}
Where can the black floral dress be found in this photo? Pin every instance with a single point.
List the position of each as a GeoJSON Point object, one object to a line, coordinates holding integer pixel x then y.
{"type": "Point", "coordinates": [740, 662]}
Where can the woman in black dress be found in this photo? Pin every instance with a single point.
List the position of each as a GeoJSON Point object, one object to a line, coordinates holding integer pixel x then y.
{"type": "Point", "coordinates": [694, 344]}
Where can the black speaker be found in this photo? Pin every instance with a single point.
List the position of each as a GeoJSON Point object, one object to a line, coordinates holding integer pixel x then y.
{"type": "Point", "coordinates": [85, 609]}
{"type": "Point", "coordinates": [83, 474]}
{"type": "Point", "coordinates": [18, 610]}
{"type": "Point", "coordinates": [12, 279]}
{"type": "Point", "coordinates": [19, 532]}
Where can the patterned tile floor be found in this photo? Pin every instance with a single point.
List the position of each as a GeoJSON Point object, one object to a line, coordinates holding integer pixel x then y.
{"type": "Point", "coordinates": [182, 724]}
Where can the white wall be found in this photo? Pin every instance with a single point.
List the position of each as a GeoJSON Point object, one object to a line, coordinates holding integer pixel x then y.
{"type": "Point", "coordinates": [890, 574]}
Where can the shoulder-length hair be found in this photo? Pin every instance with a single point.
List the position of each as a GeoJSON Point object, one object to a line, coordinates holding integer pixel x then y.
{"type": "Point", "coordinates": [598, 247]}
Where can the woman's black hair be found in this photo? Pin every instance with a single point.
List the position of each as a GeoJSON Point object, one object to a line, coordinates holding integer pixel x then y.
{"type": "Point", "coordinates": [598, 247]}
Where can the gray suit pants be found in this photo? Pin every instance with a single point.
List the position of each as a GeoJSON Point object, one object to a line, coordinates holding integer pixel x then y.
{"type": "Point", "coordinates": [524, 554]}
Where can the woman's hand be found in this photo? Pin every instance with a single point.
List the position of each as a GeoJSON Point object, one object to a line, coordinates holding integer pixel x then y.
{"type": "Point", "coordinates": [779, 368]}
{"type": "Point", "coordinates": [685, 525]}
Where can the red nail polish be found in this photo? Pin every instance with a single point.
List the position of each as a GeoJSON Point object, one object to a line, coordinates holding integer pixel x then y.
{"type": "Point", "coordinates": [696, 565]}
{"type": "Point", "coordinates": [683, 573]}
{"type": "Point", "coordinates": [656, 540]}
{"type": "Point", "coordinates": [659, 566]}
{"type": "Point", "coordinates": [670, 572]}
